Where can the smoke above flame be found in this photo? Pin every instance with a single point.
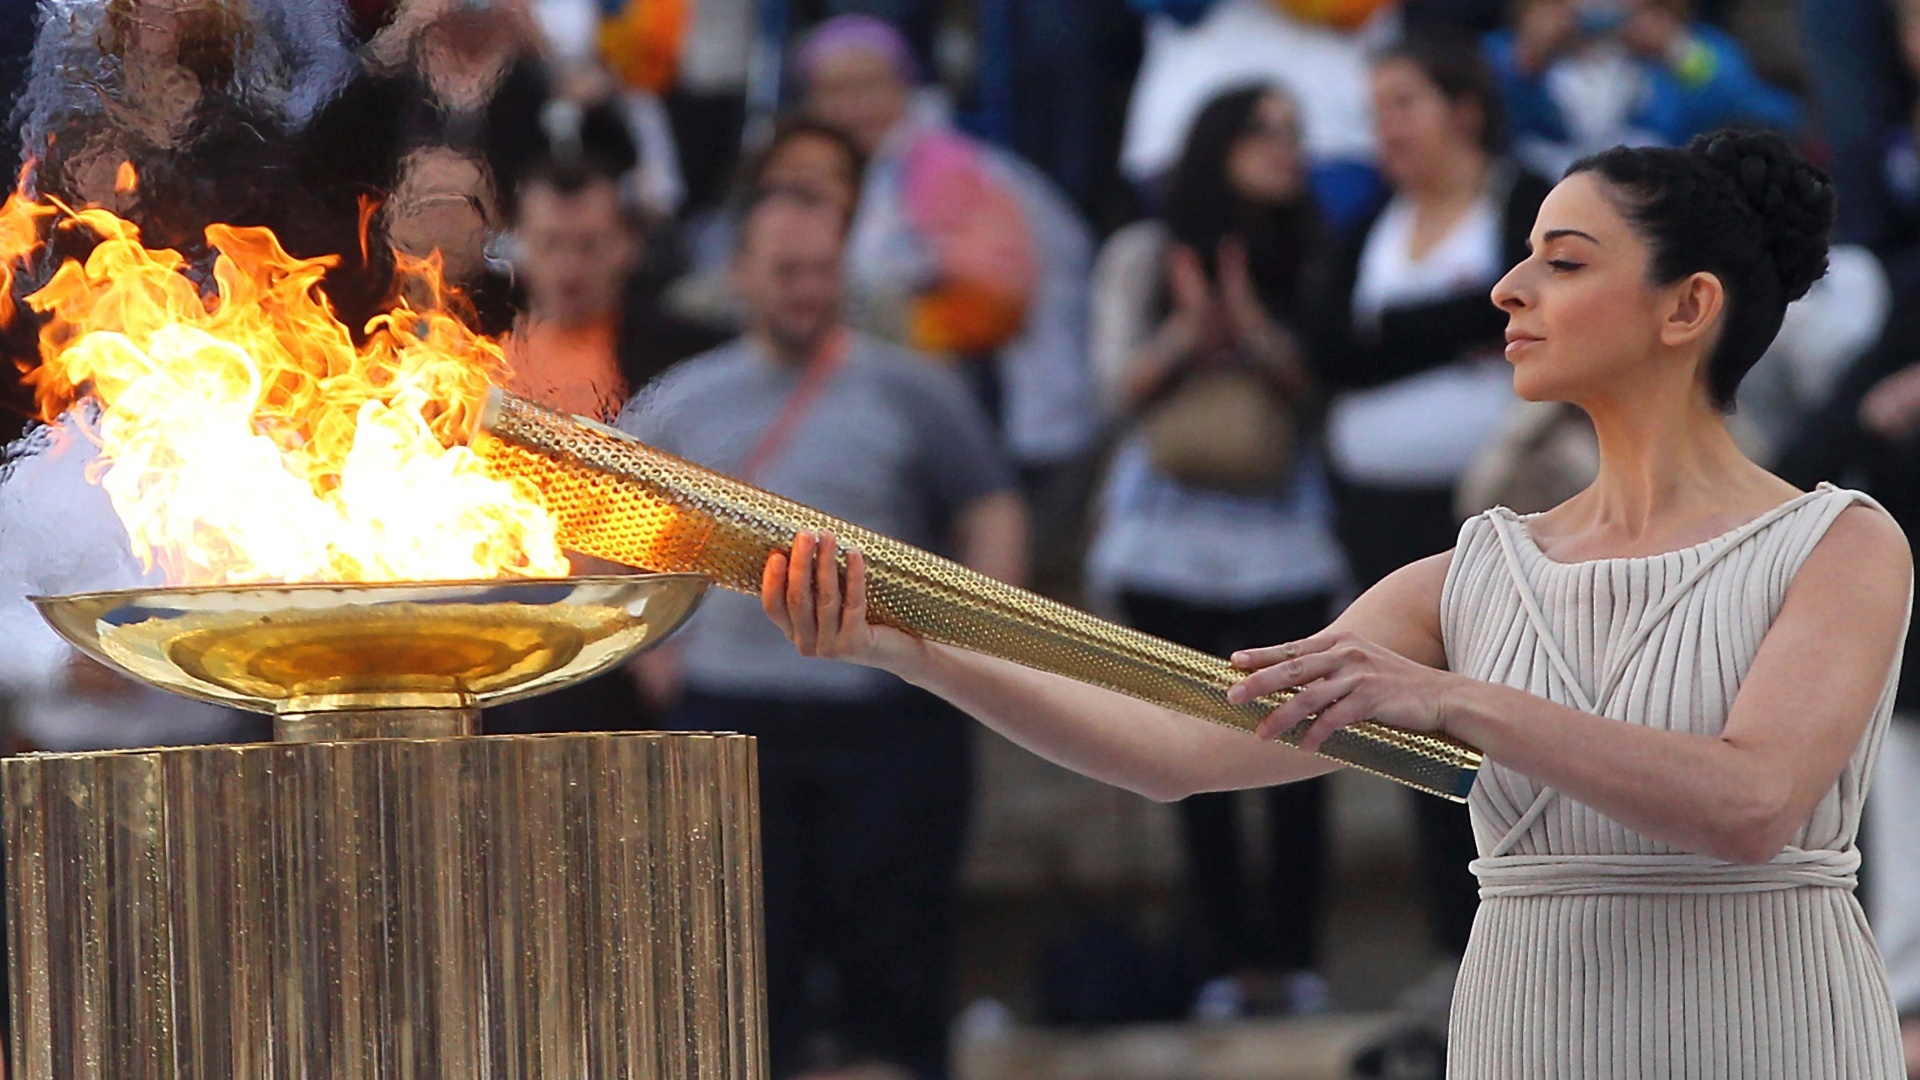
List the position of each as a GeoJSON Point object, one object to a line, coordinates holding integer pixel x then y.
{"type": "Point", "coordinates": [244, 436]}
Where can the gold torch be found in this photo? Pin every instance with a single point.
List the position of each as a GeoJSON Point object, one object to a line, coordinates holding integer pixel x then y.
{"type": "Point", "coordinates": [617, 498]}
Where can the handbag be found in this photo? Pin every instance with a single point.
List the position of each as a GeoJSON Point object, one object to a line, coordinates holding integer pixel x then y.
{"type": "Point", "coordinates": [1225, 428]}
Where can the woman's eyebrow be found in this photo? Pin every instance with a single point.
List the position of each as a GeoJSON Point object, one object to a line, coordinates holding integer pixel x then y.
{"type": "Point", "coordinates": [1555, 234]}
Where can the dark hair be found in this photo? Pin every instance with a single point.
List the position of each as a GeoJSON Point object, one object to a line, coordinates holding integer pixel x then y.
{"type": "Point", "coordinates": [1202, 208]}
{"type": "Point", "coordinates": [1744, 206]}
{"type": "Point", "coordinates": [1454, 64]}
{"type": "Point", "coordinates": [571, 176]}
{"type": "Point", "coordinates": [788, 128]}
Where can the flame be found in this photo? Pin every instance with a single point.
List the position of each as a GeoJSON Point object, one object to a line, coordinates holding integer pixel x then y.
{"type": "Point", "coordinates": [245, 437]}
{"type": "Point", "coordinates": [125, 180]}
{"type": "Point", "coordinates": [19, 236]}
{"type": "Point", "coordinates": [369, 206]}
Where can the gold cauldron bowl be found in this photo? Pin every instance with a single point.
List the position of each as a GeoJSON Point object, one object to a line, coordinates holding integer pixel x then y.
{"type": "Point", "coordinates": [401, 659]}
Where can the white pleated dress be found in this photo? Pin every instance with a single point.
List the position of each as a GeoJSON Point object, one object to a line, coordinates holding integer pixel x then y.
{"type": "Point", "coordinates": [1597, 952]}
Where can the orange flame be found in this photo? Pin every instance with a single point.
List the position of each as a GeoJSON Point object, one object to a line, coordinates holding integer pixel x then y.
{"type": "Point", "coordinates": [369, 206]}
{"type": "Point", "coordinates": [19, 236]}
{"type": "Point", "coordinates": [125, 180]}
{"type": "Point", "coordinates": [245, 437]}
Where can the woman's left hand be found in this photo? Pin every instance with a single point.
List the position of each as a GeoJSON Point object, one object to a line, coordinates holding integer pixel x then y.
{"type": "Point", "coordinates": [1344, 679]}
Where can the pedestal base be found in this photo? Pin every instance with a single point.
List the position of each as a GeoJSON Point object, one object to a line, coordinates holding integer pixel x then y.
{"type": "Point", "coordinates": [496, 908]}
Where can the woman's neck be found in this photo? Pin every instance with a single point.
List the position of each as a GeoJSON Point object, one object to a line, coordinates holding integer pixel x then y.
{"type": "Point", "coordinates": [1444, 198]}
{"type": "Point", "coordinates": [1455, 180]}
{"type": "Point", "coordinates": [1670, 474]}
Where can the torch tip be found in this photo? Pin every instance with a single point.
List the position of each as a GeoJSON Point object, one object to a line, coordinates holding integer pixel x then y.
{"type": "Point", "coordinates": [490, 411]}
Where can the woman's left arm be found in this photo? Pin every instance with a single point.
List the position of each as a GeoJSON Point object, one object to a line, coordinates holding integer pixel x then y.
{"type": "Point", "coordinates": [1740, 795]}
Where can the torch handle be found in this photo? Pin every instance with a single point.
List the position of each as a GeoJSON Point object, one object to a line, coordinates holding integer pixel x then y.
{"type": "Point", "coordinates": [616, 498]}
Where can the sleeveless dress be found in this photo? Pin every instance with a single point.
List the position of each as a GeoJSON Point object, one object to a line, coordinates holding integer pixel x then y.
{"type": "Point", "coordinates": [1600, 953]}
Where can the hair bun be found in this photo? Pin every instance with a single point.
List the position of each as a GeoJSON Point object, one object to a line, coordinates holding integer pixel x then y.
{"type": "Point", "coordinates": [1793, 199]}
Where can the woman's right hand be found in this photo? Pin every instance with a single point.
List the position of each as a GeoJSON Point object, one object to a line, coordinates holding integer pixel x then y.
{"type": "Point", "coordinates": [802, 593]}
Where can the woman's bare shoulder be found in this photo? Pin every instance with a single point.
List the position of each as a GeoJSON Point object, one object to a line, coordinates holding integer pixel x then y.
{"type": "Point", "coordinates": [1854, 585]}
{"type": "Point", "coordinates": [1863, 542]}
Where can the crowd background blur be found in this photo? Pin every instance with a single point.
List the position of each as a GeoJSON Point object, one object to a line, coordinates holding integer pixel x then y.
{"type": "Point", "coordinates": [1175, 309]}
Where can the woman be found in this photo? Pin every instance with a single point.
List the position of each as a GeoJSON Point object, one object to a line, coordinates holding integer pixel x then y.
{"type": "Point", "coordinates": [1410, 348]}
{"type": "Point", "coordinates": [1680, 676]}
{"type": "Point", "coordinates": [804, 157]}
{"type": "Point", "coordinates": [1186, 309]}
{"type": "Point", "coordinates": [1405, 331]}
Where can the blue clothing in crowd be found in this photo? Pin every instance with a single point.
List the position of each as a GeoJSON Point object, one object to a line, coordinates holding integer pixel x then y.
{"type": "Point", "coordinates": [1710, 85]}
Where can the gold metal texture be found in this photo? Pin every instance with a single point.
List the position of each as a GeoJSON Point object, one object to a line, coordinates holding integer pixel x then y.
{"type": "Point", "coordinates": [568, 907]}
{"type": "Point", "coordinates": [617, 498]}
{"type": "Point", "coordinates": [301, 650]}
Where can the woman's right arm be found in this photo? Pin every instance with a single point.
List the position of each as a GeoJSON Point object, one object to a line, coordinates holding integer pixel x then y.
{"type": "Point", "coordinates": [1109, 736]}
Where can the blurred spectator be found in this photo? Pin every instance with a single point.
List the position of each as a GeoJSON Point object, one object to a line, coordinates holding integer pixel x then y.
{"type": "Point", "coordinates": [1071, 68]}
{"type": "Point", "coordinates": [865, 782]}
{"type": "Point", "coordinates": [149, 66]}
{"type": "Point", "coordinates": [410, 137]}
{"type": "Point", "coordinates": [966, 251]}
{"type": "Point", "coordinates": [195, 97]}
{"type": "Point", "coordinates": [1579, 76]}
{"type": "Point", "coordinates": [1405, 333]}
{"type": "Point", "coordinates": [1868, 435]}
{"type": "Point", "coordinates": [1323, 65]}
{"type": "Point", "coordinates": [1216, 526]}
{"type": "Point", "coordinates": [1862, 93]}
{"type": "Point", "coordinates": [578, 243]}
{"type": "Point", "coordinates": [804, 156]}
{"type": "Point", "coordinates": [592, 329]}
{"type": "Point", "coordinates": [917, 21]}
{"type": "Point", "coordinates": [455, 103]}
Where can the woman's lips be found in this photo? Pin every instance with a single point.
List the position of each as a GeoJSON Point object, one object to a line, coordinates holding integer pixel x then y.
{"type": "Point", "coordinates": [1517, 340]}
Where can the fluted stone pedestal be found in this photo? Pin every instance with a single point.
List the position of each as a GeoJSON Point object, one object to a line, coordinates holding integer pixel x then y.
{"type": "Point", "coordinates": [496, 908]}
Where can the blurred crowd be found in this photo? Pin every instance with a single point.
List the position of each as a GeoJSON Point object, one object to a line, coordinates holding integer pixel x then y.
{"type": "Point", "coordinates": [1175, 309]}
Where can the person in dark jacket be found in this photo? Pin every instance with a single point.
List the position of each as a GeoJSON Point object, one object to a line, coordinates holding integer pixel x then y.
{"type": "Point", "coordinates": [1410, 350]}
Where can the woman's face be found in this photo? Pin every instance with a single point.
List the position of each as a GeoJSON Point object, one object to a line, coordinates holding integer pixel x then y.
{"type": "Point", "coordinates": [861, 93]}
{"type": "Point", "coordinates": [1265, 165]}
{"type": "Point", "coordinates": [815, 167]}
{"type": "Point", "coordinates": [1417, 126]}
{"type": "Point", "coordinates": [1583, 314]}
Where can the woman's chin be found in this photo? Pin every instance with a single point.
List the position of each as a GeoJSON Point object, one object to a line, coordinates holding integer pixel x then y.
{"type": "Point", "coordinates": [1529, 386]}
